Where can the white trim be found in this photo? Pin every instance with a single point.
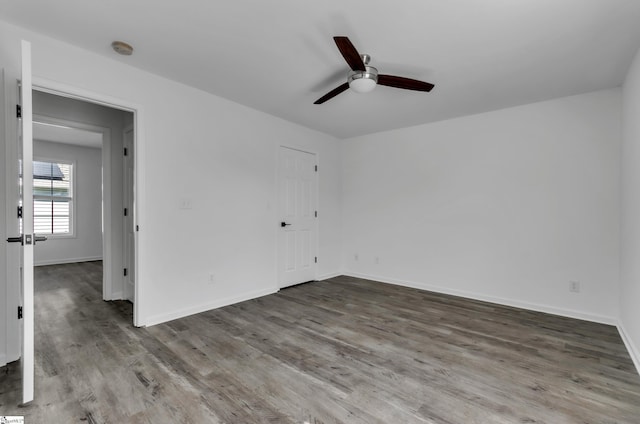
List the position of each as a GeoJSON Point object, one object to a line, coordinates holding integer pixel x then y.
{"type": "Point", "coordinates": [181, 313]}
{"type": "Point", "coordinates": [68, 261]}
{"type": "Point", "coordinates": [57, 88]}
{"type": "Point", "coordinates": [6, 120]}
{"type": "Point", "coordinates": [12, 253]}
{"type": "Point", "coordinates": [276, 217]}
{"type": "Point", "coordinates": [128, 189]}
{"type": "Point", "coordinates": [59, 236]}
{"type": "Point", "coordinates": [329, 276]}
{"type": "Point", "coordinates": [60, 89]}
{"type": "Point", "coordinates": [139, 209]}
{"type": "Point", "coordinates": [602, 319]}
{"type": "Point", "coordinates": [634, 352]}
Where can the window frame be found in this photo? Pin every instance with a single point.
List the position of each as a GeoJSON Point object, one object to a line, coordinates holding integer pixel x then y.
{"type": "Point", "coordinates": [72, 199]}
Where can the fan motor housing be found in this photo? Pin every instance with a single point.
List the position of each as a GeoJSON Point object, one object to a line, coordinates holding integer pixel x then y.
{"type": "Point", "coordinates": [369, 73]}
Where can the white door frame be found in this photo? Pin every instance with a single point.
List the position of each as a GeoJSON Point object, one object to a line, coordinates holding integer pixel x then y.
{"type": "Point", "coordinates": [317, 202]}
{"type": "Point", "coordinates": [59, 89]}
{"type": "Point", "coordinates": [13, 329]}
{"type": "Point", "coordinates": [128, 192]}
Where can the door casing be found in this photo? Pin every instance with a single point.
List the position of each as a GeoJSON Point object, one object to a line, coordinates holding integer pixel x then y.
{"type": "Point", "coordinates": [60, 89]}
{"type": "Point", "coordinates": [128, 236]}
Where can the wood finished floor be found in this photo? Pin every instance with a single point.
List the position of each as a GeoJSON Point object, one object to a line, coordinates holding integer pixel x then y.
{"type": "Point", "coordinates": [339, 351]}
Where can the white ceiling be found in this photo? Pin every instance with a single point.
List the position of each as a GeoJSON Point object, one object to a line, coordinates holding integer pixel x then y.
{"type": "Point", "coordinates": [67, 135]}
{"type": "Point", "coordinates": [278, 56]}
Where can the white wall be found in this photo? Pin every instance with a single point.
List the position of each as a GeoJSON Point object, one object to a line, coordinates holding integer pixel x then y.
{"type": "Point", "coordinates": [86, 243]}
{"type": "Point", "coordinates": [507, 206]}
{"type": "Point", "coordinates": [630, 263]}
{"type": "Point", "coordinates": [219, 154]}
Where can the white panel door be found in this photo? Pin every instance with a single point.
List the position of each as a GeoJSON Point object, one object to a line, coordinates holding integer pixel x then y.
{"type": "Point", "coordinates": [297, 241]}
{"type": "Point", "coordinates": [27, 359]}
{"type": "Point", "coordinates": [129, 229]}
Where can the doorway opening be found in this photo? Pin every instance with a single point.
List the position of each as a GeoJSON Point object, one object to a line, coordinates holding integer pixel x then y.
{"type": "Point", "coordinates": [89, 138]}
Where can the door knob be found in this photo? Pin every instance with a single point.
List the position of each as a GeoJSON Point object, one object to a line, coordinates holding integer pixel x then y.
{"type": "Point", "coordinates": [284, 224]}
{"type": "Point", "coordinates": [20, 239]}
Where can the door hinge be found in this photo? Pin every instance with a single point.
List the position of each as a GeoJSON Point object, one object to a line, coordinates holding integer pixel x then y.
{"type": "Point", "coordinates": [18, 111]}
{"type": "Point", "coordinates": [316, 259]}
{"type": "Point", "coordinates": [316, 168]}
{"type": "Point", "coordinates": [19, 312]}
{"type": "Point", "coordinates": [125, 211]}
{"type": "Point", "coordinates": [125, 272]}
{"type": "Point", "coordinates": [126, 151]}
{"type": "Point", "coordinates": [316, 214]}
{"type": "Point", "coordinates": [19, 211]}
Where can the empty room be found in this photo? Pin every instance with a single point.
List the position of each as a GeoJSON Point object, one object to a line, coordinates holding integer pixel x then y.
{"type": "Point", "coordinates": [320, 212]}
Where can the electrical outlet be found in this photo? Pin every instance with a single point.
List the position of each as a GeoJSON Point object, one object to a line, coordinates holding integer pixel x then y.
{"type": "Point", "coordinates": [574, 286]}
{"type": "Point", "coordinates": [376, 260]}
{"type": "Point", "coordinates": [355, 257]}
{"type": "Point", "coordinates": [212, 278]}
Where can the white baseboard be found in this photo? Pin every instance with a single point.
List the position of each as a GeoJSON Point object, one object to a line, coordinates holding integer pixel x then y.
{"type": "Point", "coordinates": [181, 313]}
{"type": "Point", "coordinates": [491, 299]}
{"type": "Point", "coordinates": [117, 296]}
{"type": "Point", "coordinates": [67, 261]}
{"type": "Point", "coordinates": [9, 357]}
{"type": "Point", "coordinates": [634, 352]}
{"type": "Point", "coordinates": [328, 276]}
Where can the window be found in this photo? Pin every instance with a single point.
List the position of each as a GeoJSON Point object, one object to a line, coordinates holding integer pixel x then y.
{"type": "Point", "coordinates": [52, 198]}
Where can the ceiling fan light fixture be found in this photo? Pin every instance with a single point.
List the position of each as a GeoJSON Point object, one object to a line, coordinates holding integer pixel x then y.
{"type": "Point", "coordinates": [363, 82]}
{"type": "Point", "coordinates": [363, 78]}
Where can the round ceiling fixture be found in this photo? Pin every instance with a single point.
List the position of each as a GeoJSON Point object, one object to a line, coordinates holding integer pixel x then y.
{"type": "Point", "coordinates": [363, 81]}
{"type": "Point", "coordinates": [122, 48]}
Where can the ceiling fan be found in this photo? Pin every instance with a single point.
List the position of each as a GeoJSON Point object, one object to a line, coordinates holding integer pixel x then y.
{"type": "Point", "coordinates": [364, 78]}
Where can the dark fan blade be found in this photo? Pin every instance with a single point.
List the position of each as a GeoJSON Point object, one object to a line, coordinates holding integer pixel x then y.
{"type": "Point", "coordinates": [406, 83]}
{"type": "Point", "coordinates": [349, 53]}
{"type": "Point", "coordinates": [331, 94]}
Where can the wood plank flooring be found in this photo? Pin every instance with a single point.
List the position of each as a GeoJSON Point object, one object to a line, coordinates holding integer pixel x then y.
{"type": "Point", "coordinates": [339, 351]}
